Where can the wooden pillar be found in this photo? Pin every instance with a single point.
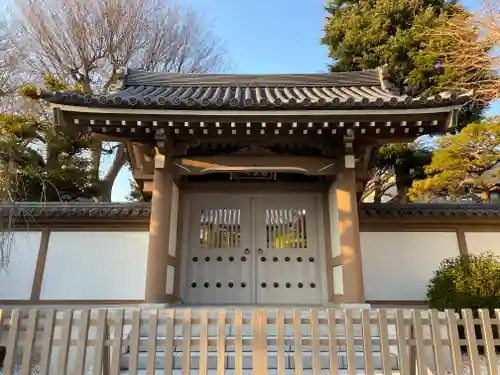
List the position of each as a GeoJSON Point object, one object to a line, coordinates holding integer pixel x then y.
{"type": "Point", "coordinates": [349, 239]}
{"type": "Point", "coordinates": [346, 262]}
{"type": "Point", "coordinates": [159, 231]}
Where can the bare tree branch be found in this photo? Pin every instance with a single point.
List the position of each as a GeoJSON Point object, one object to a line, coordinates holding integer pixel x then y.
{"type": "Point", "coordinates": [86, 41]}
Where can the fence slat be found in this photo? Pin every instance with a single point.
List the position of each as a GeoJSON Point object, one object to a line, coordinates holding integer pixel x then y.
{"type": "Point", "coordinates": [203, 366]}
{"type": "Point", "coordinates": [489, 346]}
{"type": "Point", "coordinates": [221, 341]}
{"type": "Point", "coordinates": [81, 350]}
{"type": "Point", "coordinates": [100, 341]}
{"type": "Point", "coordinates": [332, 340]}
{"type": "Point", "coordinates": [152, 339]}
{"type": "Point", "coordinates": [313, 321]}
{"type": "Point", "coordinates": [67, 321]}
{"type": "Point", "coordinates": [12, 338]}
{"type": "Point", "coordinates": [473, 354]}
{"type": "Point", "coordinates": [367, 341]}
{"type": "Point", "coordinates": [186, 342]}
{"type": "Point", "coordinates": [418, 330]}
{"type": "Point", "coordinates": [384, 342]}
{"type": "Point", "coordinates": [263, 338]}
{"type": "Point", "coordinates": [28, 342]}
{"type": "Point", "coordinates": [133, 360]}
{"type": "Point", "coordinates": [238, 343]}
{"type": "Point", "coordinates": [456, 354]}
{"type": "Point", "coordinates": [48, 335]}
{"type": "Point", "coordinates": [280, 327]}
{"type": "Point", "coordinates": [437, 343]}
{"type": "Point", "coordinates": [403, 348]}
{"type": "Point", "coordinates": [169, 342]}
{"type": "Point", "coordinates": [116, 345]}
{"type": "Point", "coordinates": [297, 341]}
{"type": "Point", "coordinates": [257, 341]}
{"type": "Point", "coordinates": [349, 342]}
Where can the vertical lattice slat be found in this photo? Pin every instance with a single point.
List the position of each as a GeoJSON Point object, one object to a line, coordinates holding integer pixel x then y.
{"type": "Point", "coordinates": [152, 339]}
{"type": "Point", "coordinates": [186, 341]}
{"type": "Point", "coordinates": [12, 338]}
{"type": "Point", "coordinates": [418, 330]}
{"type": "Point", "coordinates": [297, 341]}
{"type": "Point", "coordinates": [384, 342]}
{"type": "Point", "coordinates": [221, 340]}
{"type": "Point", "coordinates": [280, 328]}
{"type": "Point", "coordinates": [168, 365]}
{"type": "Point", "coordinates": [367, 341]}
{"type": "Point", "coordinates": [28, 342]}
{"type": "Point", "coordinates": [100, 341]}
{"type": "Point", "coordinates": [472, 351]}
{"type": "Point", "coordinates": [349, 342]}
{"type": "Point", "coordinates": [404, 359]}
{"type": "Point", "coordinates": [489, 345]}
{"type": "Point", "coordinates": [437, 344]}
{"type": "Point", "coordinates": [332, 340]}
{"type": "Point", "coordinates": [48, 336]}
{"type": "Point", "coordinates": [134, 342]}
{"type": "Point", "coordinates": [81, 350]}
{"type": "Point", "coordinates": [203, 365]}
{"type": "Point", "coordinates": [66, 323]}
{"type": "Point", "coordinates": [238, 344]}
{"type": "Point", "coordinates": [258, 351]}
{"type": "Point", "coordinates": [452, 329]}
{"type": "Point", "coordinates": [116, 345]}
{"type": "Point", "coordinates": [316, 364]}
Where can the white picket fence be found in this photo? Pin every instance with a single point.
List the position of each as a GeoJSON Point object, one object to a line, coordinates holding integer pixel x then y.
{"type": "Point", "coordinates": [181, 340]}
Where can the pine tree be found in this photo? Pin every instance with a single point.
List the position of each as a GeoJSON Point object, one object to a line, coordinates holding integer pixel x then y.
{"type": "Point", "coordinates": [366, 34]}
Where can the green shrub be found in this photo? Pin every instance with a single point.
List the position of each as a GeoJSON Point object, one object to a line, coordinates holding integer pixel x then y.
{"type": "Point", "coordinates": [467, 282]}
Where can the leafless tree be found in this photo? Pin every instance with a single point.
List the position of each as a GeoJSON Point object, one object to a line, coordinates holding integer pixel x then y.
{"type": "Point", "coordinates": [86, 41]}
{"type": "Point", "coordinates": [469, 44]}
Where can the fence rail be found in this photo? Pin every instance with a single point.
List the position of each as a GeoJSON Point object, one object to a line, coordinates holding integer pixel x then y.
{"type": "Point", "coordinates": [180, 340]}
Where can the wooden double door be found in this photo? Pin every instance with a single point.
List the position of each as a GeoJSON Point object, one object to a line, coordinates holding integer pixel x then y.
{"type": "Point", "coordinates": [252, 249]}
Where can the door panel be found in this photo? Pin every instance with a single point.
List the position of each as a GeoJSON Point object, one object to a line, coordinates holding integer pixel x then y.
{"type": "Point", "coordinates": [287, 262]}
{"type": "Point", "coordinates": [220, 264]}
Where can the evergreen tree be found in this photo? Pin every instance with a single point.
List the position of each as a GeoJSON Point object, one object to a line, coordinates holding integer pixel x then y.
{"type": "Point", "coordinates": [366, 34]}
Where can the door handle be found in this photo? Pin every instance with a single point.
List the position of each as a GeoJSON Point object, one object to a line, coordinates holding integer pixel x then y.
{"type": "Point", "coordinates": [260, 251]}
{"type": "Point", "coordinates": [247, 251]}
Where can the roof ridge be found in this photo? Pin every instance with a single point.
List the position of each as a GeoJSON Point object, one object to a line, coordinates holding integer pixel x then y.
{"type": "Point", "coordinates": [136, 77]}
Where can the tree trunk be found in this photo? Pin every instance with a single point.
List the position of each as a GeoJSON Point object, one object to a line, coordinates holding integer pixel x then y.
{"type": "Point", "coordinates": [108, 181]}
{"type": "Point", "coordinates": [377, 197]}
{"type": "Point", "coordinates": [402, 188]}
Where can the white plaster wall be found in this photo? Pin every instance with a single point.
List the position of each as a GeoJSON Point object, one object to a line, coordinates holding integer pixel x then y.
{"type": "Point", "coordinates": [480, 242]}
{"type": "Point", "coordinates": [16, 279]}
{"type": "Point", "coordinates": [398, 265]}
{"type": "Point", "coordinates": [95, 265]}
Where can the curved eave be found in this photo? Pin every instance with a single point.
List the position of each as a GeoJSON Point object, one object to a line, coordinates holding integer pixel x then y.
{"type": "Point", "coordinates": [363, 111]}
{"type": "Point", "coordinates": [117, 102]}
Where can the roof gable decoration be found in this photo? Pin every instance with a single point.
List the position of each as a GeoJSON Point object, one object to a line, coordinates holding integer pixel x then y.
{"type": "Point", "coordinates": [342, 90]}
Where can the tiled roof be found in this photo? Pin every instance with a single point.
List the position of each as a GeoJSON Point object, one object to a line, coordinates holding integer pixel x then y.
{"type": "Point", "coordinates": [437, 210]}
{"type": "Point", "coordinates": [142, 210]}
{"type": "Point", "coordinates": [139, 89]}
{"type": "Point", "coordinates": [56, 210]}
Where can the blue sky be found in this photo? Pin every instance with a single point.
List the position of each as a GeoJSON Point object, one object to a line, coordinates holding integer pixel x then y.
{"type": "Point", "coordinates": [264, 36]}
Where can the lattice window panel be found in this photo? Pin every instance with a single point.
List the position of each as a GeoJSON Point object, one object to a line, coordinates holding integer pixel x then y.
{"type": "Point", "coordinates": [286, 228]}
{"type": "Point", "coordinates": [220, 228]}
